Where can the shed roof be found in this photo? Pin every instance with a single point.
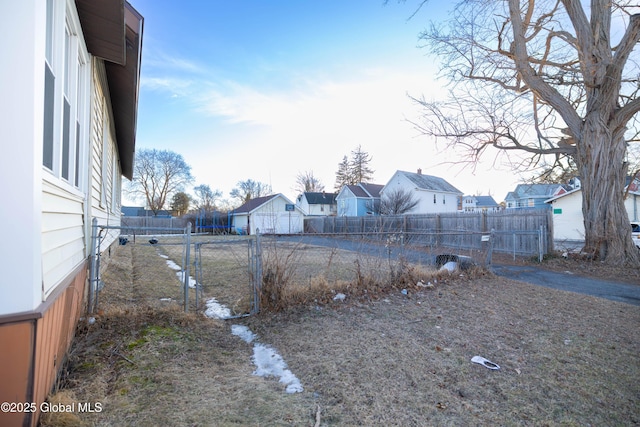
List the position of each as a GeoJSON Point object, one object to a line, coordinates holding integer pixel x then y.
{"type": "Point", "coordinates": [254, 204]}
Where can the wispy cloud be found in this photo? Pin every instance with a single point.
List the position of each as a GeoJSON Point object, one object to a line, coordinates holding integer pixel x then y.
{"type": "Point", "coordinates": [377, 96]}
{"type": "Point", "coordinates": [160, 60]}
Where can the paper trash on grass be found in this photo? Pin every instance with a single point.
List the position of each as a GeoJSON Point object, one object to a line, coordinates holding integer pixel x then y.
{"type": "Point", "coordinates": [268, 362]}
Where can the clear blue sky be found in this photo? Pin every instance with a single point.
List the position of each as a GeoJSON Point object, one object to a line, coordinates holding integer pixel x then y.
{"type": "Point", "coordinates": [265, 90]}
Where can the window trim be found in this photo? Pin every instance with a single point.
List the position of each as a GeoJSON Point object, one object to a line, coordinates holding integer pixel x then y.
{"type": "Point", "coordinates": [65, 137]}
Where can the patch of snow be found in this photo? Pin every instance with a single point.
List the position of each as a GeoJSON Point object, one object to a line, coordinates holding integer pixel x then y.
{"type": "Point", "coordinates": [216, 310]}
{"type": "Point", "coordinates": [243, 332]}
{"type": "Point", "coordinates": [172, 265]}
{"type": "Point", "coordinates": [268, 362]}
{"type": "Point", "coordinates": [163, 256]}
{"type": "Point", "coordinates": [192, 281]}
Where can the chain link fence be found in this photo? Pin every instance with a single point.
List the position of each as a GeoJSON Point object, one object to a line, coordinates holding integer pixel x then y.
{"type": "Point", "coordinates": [233, 276]}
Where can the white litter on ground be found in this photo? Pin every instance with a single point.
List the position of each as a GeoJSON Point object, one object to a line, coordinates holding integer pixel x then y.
{"type": "Point", "coordinates": [450, 266]}
{"type": "Point", "coordinates": [268, 362]}
{"type": "Point", "coordinates": [339, 297]}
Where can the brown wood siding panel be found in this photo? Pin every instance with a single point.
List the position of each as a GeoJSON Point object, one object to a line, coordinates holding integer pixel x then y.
{"type": "Point", "coordinates": [16, 361]}
{"type": "Point", "coordinates": [54, 333]}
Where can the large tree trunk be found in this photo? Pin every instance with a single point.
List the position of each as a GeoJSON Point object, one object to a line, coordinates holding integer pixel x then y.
{"type": "Point", "coordinates": [601, 161]}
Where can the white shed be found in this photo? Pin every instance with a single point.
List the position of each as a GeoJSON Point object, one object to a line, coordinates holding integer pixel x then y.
{"type": "Point", "coordinates": [273, 214]}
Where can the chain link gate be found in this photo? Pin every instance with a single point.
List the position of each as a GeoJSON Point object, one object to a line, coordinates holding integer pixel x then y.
{"type": "Point", "coordinates": [229, 270]}
{"type": "Point", "coordinates": [98, 235]}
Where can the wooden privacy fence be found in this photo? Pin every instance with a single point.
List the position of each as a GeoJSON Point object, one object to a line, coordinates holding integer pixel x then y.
{"type": "Point", "coordinates": [518, 231]}
{"type": "Point", "coordinates": [141, 222]}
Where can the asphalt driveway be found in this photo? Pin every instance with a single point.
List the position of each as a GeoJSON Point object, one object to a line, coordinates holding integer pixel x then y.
{"type": "Point", "coordinates": [614, 291]}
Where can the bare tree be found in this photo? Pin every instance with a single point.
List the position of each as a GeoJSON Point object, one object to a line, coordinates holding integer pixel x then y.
{"type": "Point", "coordinates": [306, 182]}
{"type": "Point", "coordinates": [206, 197]}
{"type": "Point", "coordinates": [354, 170]}
{"type": "Point", "coordinates": [180, 203]}
{"type": "Point", "coordinates": [360, 169]}
{"type": "Point", "coordinates": [551, 80]}
{"type": "Point", "coordinates": [397, 202]}
{"type": "Point", "coordinates": [249, 189]}
{"type": "Point", "coordinates": [157, 176]}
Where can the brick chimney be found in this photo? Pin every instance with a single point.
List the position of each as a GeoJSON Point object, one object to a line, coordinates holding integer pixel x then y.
{"type": "Point", "coordinates": [419, 171]}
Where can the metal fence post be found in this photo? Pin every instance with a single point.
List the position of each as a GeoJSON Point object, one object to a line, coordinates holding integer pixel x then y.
{"type": "Point", "coordinates": [186, 267]}
{"type": "Point", "coordinates": [257, 275]}
{"type": "Point", "coordinates": [540, 244]}
{"type": "Point", "coordinates": [92, 264]}
{"type": "Point", "coordinates": [487, 262]}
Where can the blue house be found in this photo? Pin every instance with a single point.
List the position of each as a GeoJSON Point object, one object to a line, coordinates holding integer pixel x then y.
{"type": "Point", "coordinates": [359, 200]}
{"type": "Point", "coordinates": [533, 195]}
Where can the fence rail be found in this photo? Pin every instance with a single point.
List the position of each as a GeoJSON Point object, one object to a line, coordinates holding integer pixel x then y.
{"type": "Point", "coordinates": [521, 231]}
{"type": "Point", "coordinates": [145, 224]}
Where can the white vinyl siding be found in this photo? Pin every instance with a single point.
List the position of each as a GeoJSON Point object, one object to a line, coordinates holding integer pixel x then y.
{"type": "Point", "coordinates": [105, 168]}
{"type": "Point", "coordinates": [62, 235]}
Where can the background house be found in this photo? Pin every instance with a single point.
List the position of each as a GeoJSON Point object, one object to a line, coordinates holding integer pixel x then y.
{"type": "Point", "coordinates": [568, 220]}
{"type": "Point", "coordinates": [358, 200]}
{"type": "Point", "coordinates": [317, 203]}
{"type": "Point", "coordinates": [434, 194]}
{"type": "Point", "coordinates": [533, 195]}
{"type": "Point", "coordinates": [70, 91]}
{"type": "Point", "coordinates": [479, 204]}
{"type": "Point", "coordinates": [632, 202]}
{"type": "Point", "coordinates": [273, 214]}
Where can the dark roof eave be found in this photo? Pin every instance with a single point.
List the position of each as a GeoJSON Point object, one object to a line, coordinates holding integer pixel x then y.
{"type": "Point", "coordinates": [124, 85]}
{"type": "Point", "coordinates": [113, 32]}
{"type": "Point", "coordinates": [103, 27]}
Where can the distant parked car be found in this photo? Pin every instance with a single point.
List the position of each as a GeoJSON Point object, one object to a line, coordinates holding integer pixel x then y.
{"type": "Point", "coordinates": [635, 233]}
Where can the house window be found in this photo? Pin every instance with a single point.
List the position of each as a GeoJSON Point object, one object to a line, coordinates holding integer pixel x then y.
{"type": "Point", "coordinates": [443, 199]}
{"type": "Point", "coordinates": [49, 90]}
{"type": "Point", "coordinates": [63, 110]}
{"type": "Point", "coordinates": [434, 198]}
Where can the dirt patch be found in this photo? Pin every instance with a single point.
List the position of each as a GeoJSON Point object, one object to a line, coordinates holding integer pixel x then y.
{"type": "Point", "coordinates": [394, 358]}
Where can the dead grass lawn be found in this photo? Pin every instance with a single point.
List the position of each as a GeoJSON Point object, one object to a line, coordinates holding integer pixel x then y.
{"type": "Point", "coordinates": [376, 359]}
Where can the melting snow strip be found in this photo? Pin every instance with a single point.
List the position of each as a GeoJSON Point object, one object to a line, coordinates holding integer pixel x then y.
{"type": "Point", "coordinates": [216, 310]}
{"type": "Point", "coordinates": [268, 362]}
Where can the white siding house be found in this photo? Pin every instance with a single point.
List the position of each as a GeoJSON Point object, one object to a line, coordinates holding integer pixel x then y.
{"type": "Point", "coordinates": [568, 221]}
{"type": "Point", "coordinates": [317, 203]}
{"type": "Point", "coordinates": [273, 214]}
{"type": "Point", "coordinates": [434, 194]}
{"type": "Point", "coordinates": [69, 84]}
